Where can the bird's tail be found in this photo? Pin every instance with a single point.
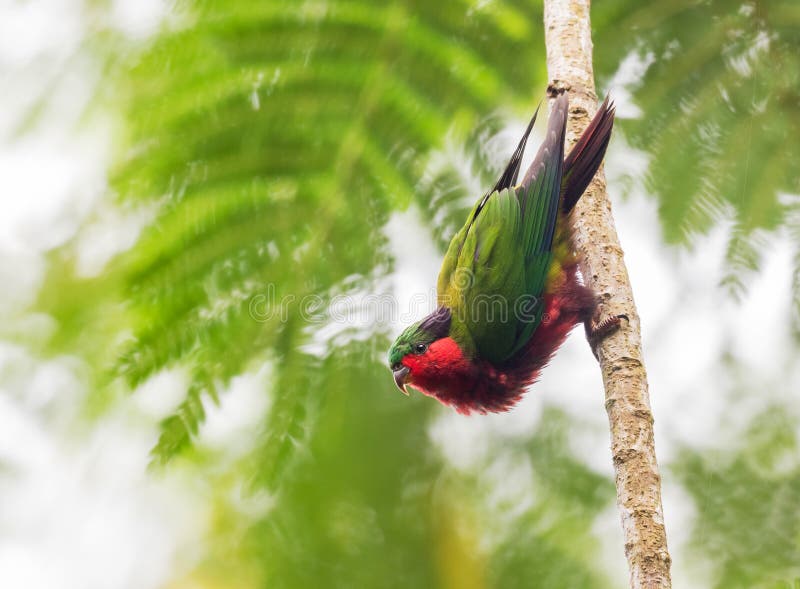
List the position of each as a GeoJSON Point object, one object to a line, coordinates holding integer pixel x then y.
{"type": "Point", "coordinates": [585, 157]}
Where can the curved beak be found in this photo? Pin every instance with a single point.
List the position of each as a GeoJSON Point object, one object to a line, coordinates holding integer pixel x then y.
{"type": "Point", "coordinates": [401, 378]}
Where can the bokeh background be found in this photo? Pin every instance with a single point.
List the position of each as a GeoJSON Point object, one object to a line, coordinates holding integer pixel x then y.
{"type": "Point", "coordinates": [201, 204]}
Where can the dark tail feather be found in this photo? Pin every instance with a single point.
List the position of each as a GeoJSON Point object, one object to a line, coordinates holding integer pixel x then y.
{"type": "Point", "coordinates": [584, 159]}
{"type": "Point", "coordinates": [509, 177]}
{"type": "Point", "coordinates": [541, 205]}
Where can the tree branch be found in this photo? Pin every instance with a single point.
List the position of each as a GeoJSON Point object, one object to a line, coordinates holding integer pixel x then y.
{"type": "Point", "coordinates": [569, 64]}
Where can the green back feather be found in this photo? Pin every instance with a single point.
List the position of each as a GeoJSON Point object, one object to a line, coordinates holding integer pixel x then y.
{"type": "Point", "coordinates": [498, 262]}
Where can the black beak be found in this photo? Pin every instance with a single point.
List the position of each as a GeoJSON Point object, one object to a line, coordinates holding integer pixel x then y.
{"type": "Point", "coordinates": [401, 377]}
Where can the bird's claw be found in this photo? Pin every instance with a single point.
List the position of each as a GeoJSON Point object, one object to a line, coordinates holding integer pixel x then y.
{"type": "Point", "coordinates": [599, 330]}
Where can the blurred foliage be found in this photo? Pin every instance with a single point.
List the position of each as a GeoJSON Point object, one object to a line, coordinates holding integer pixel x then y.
{"type": "Point", "coordinates": [277, 142]}
{"type": "Point", "coordinates": [720, 106]}
{"type": "Point", "coordinates": [747, 497]}
{"type": "Point", "coordinates": [568, 500]}
{"type": "Point", "coordinates": [274, 141]}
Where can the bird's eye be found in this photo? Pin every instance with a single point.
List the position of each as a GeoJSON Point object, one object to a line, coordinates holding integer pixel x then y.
{"type": "Point", "coordinates": [420, 348]}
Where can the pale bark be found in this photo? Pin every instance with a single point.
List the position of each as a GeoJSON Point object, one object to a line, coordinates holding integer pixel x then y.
{"type": "Point", "coordinates": [569, 63]}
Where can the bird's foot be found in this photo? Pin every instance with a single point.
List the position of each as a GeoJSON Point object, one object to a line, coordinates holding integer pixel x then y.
{"type": "Point", "coordinates": [596, 331]}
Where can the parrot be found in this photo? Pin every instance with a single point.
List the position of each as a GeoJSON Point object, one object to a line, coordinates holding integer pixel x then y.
{"type": "Point", "coordinates": [510, 287]}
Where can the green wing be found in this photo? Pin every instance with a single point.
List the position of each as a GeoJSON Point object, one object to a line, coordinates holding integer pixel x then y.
{"type": "Point", "coordinates": [495, 269]}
